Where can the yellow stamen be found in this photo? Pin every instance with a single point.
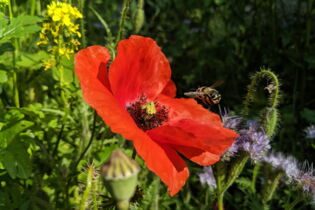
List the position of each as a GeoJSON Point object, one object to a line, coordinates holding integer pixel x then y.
{"type": "Point", "coordinates": [149, 108]}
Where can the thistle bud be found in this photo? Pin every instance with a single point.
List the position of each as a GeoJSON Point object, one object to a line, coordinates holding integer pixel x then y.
{"type": "Point", "coordinates": [120, 175]}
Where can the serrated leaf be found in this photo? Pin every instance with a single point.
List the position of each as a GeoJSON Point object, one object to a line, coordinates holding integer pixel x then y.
{"type": "Point", "coordinates": [8, 133]}
{"type": "Point", "coordinates": [32, 60]}
{"type": "Point", "coordinates": [16, 160]}
{"type": "Point", "coordinates": [18, 27]}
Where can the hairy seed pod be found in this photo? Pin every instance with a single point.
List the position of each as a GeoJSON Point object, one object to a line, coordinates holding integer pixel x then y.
{"type": "Point", "coordinates": [120, 176]}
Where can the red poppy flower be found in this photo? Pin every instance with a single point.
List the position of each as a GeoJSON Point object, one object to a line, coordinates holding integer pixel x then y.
{"type": "Point", "coordinates": [136, 98]}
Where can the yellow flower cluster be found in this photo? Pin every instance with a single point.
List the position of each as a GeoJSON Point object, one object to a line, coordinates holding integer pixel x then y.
{"type": "Point", "coordinates": [60, 29]}
{"type": "Point", "coordinates": [4, 3]}
{"type": "Point", "coordinates": [63, 13]}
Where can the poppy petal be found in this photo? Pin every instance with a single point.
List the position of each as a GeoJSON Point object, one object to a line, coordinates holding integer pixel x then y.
{"type": "Point", "coordinates": [90, 67]}
{"type": "Point", "coordinates": [139, 68]}
{"type": "Point", "coordinates": [164, 162]}
{"type": "Point", "coordinates": [183, 108]}
{"type": "Point", "coordinates": [170, 89]}
{"type": "Point", "coordinates": [189, 133]}
{"type": "Point", "coordinates": [197, 155]}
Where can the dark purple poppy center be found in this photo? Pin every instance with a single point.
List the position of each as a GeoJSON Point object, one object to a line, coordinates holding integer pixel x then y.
{"type": "Point", "coordinates": [147, 114]}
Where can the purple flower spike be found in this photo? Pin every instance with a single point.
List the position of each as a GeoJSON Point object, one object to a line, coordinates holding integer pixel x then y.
{"type": "Point", "coordinates": [207, 177]}
{"type": "Point", "coordinates": [252, 140]}
{"type": "Point", "coordinates": [231, 152]}
{"type": "Point", "coordinates": [255, 143]}
{"type": "Point", "coordinates": [231, 122]}
{"type": "Point", "coordinates": [310, 132]}
{"type": "Point", "coordinates": [307, 180]}
{"type": "Point", "coordinates": [288, 165]}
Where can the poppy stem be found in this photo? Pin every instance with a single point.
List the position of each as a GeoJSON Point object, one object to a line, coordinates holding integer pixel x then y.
{"type": "Point", "coordinates": [89, 143]}
{"type": "Point", "coordinates": [122, 20]}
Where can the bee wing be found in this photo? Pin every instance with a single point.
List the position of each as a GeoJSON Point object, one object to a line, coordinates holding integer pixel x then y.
{"type": "Point", "coordinates": [217, 83]}
{"type": "Point", "coordinates": [191, 94]}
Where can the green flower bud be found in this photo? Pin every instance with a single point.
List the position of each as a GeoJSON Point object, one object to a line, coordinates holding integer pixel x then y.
{"type": "Point", "coordinates": [120, 175]}
{"type": "Point", "coordinates": [139, 17]}
{"type": "Point", "coordinates": [139, 20]}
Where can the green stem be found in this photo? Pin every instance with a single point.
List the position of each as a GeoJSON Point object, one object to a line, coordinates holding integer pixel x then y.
{"type": "Point", "coordinates": [10, 10]}
{"type": "Point", "coordinates": [103, 22]}
{"type": "Point", "coordinates": [235, 169]}
{"type": "Point", "coordinates": [156, 194]}
{"type": "Point", "coordinates": [220, 201]}
{"type": "Point", "coordinates": [220, 175]}
{"type": "Point", "coordinates": [89, 143]}
{"type": "Point", "coordinates": [122, 20]}
{"type": "Point", "coordinates": [61, 73]}
{"type": "Point", "coordinates": [270, 188]}
{"type": "Point", "coordinates": [15, 88]}
{"type": "Point", "coordinates": [88, 186]}
{"type": "Point", "coordinates": [254, 178]}
{"type": "Point", "coordinates": [82, 23]}
{"type": "Point", "coordinates": [14, 55]}
{"type": "Point", "coordinates": [33, 7]}
{"type": "Point", "coordinates": [58, 139]}
{"type": "Point", "coordinates": [294, 203]}
{"type": "Point", "coordinates": [64, 119]}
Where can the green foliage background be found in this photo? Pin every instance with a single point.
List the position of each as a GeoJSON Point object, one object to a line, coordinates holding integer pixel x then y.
{"type": "Point", "coordinates": [44, 149]}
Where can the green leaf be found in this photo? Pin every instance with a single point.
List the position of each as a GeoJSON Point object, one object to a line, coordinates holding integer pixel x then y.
{"type": "Point", "coordinates": [32, 60]}
{"type": "Point", "coordinates": [18, 27]}
{"type": "Point", "coordinates": [308, 115]}
{"type": "Point", "coordinates": [3, 76]}
{"type": "Point", "coordinates": [16, 160]}
{"type": "Point", "coordinates": [243, 183]}
{"type": "Point", "coordinates": [8, 133]}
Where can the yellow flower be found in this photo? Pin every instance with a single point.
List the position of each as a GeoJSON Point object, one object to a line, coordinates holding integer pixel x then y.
{"type": "Point", "coordinates": [61, 31]}
{"type": "Point", "coordinates": [63, 13]}
{"type": "Point", "coordinates": [48, 63]}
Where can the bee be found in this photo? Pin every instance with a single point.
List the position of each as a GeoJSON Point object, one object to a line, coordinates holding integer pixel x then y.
{"type": "Point", "coordinates": [207, 95]}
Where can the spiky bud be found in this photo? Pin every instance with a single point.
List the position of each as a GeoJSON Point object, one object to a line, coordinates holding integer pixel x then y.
{"type": "Point", "coordinates": [120, 175]}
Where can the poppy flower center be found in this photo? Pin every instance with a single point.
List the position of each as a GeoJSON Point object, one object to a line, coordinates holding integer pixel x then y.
{"type": "Point", "coordinates": [147, 114]}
